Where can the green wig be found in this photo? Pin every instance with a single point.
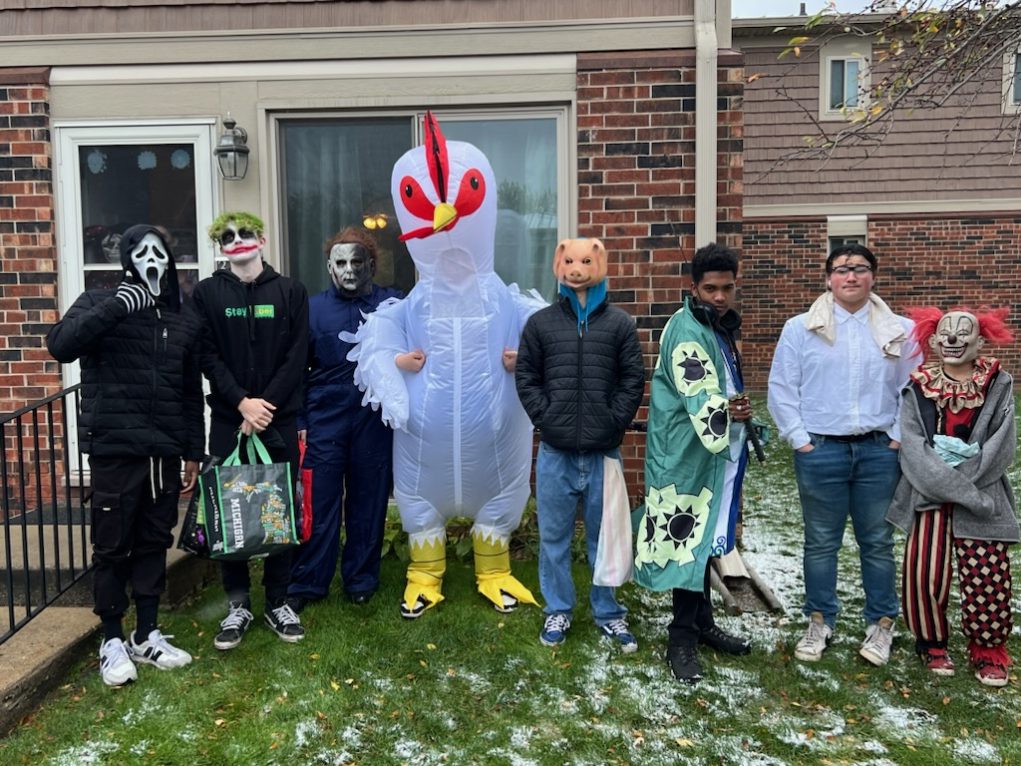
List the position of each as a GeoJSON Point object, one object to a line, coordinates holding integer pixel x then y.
{"type": "Point", "coordinates": [243, 221]}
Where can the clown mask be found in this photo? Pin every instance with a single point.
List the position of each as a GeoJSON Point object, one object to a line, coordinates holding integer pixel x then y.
{"type": "Point", "coordinates": [351, 268]}
{"type": "Point", "coordinates": [149, 259]}
{"type": "Point", "coordinates": [240, 244]}
{"type": "Point", "coordinates": [957, 341]}
{"type": "Point", "coordinates": [580, 263]}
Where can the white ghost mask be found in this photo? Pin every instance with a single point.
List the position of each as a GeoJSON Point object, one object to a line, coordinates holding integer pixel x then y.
{"type": "Point", "coordinates": [150, 259]}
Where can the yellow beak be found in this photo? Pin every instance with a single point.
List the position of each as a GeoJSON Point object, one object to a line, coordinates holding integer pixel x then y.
{"type": "Point", "coordinates": [443, 216]}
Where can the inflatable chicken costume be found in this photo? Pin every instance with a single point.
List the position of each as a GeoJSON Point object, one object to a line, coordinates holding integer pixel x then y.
{"type": "Point", "coordinates": [435, 363]}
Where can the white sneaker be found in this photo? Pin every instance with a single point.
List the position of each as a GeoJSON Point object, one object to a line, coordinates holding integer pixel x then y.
{"type": "Point", "coordinates": [816, 639]}
{"type": "Point", "coordinates": [115, 665]}
{"type": "Point", "coordinates": [878, 640]}
{"type": "Point", "coordinates": [156, 650]}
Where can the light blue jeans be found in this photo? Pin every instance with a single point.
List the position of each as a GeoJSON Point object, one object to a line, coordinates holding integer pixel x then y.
{"type": "Point", "coordinates": [561, 479]}
{"type": "Point", "coordinates": [836, 480]}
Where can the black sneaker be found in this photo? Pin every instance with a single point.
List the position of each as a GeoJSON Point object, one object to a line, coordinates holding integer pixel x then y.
{"type": "Point", "coordinates": [283, 621]}
{"type": "Point", "coordinates": [683, 662]}
{"type": "Point", "coordinates": [722, 641]}
{"type": "Point", "coordinates": [233, 626]}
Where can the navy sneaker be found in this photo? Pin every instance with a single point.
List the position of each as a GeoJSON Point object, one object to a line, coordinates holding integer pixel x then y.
{"type": "Point", "coordinates": [554, 630]}
{"type": "Point", "coordinates": [618, 631]}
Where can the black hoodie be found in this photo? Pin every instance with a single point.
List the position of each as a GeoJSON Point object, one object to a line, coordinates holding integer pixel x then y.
{"type": "Point", "coordinates": [254, 341]}
{"type": "Point", "coordinates": [141, 387]}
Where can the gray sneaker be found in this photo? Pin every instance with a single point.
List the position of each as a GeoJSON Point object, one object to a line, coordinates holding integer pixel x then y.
{"type": "Point", "coordinates": [816, 639]}
{"type": "Point", "coordinates": [878, 640]}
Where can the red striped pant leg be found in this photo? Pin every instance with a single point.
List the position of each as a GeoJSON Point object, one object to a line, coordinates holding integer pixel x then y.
{"type": "Point", "coordinates": [926, 573]}
{"type": "Point", "coordinates": [984, 568]}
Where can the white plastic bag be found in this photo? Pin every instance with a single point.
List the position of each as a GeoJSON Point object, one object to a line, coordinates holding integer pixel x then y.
{"type": "Point", "coordinates": [614, 553]}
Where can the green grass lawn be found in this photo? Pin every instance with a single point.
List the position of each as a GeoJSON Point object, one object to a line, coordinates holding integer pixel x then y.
{"type": "Point", "coordinates": [465, 685]}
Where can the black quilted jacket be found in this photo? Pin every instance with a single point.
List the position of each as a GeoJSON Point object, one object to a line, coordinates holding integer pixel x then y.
{"type": "Point", "coordinates": [141, 385]}
{"type": "Point", "coordinates": [581, 390]}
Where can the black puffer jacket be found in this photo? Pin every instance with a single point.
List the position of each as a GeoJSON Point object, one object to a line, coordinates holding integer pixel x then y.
{"type": "Point", "coordinates": [141, 386]}
{"type": "Point", "coordinates": [581, 389]}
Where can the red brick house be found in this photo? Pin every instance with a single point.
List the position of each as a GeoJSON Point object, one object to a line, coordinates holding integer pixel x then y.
{"type": "Point", "coordinates": [620, 121]}
{"type": "Point", "coordinates": [939, 201]}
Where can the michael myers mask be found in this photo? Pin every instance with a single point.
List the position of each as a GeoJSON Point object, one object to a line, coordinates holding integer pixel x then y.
{"type": "Point", "coordinates": [149, 259]}
{"type": "Point", "coordinates": [957, 340]}
{"type": "Point", "coordinates": [351, 268]}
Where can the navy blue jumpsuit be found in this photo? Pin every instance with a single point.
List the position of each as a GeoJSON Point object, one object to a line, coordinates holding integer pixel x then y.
{"type": "Point", "coordinates": [350, 452]}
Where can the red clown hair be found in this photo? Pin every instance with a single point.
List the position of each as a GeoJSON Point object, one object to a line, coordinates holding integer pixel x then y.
{"type": "Point", "coordinates": [992, 324]}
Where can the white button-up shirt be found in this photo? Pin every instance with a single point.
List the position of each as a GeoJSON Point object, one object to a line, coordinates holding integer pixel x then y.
{"type": "Point", "coordinates": [846, 388]}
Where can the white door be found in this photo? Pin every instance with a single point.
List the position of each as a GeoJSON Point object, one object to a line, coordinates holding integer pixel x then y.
{"type": "Point", "coordinates": [111, 176]}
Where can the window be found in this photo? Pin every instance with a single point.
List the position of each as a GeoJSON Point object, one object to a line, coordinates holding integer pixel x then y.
{"type": "Point", "coordinates": [846, 230]}
{"type": "Point", "coordinates": [844, 79]}
{"type": "Point", "coordinates": [844, 83]}
{"type": "Point", "coordinates": [335, 172]}
{"type": "Point", "coordinates": [1011, 82]}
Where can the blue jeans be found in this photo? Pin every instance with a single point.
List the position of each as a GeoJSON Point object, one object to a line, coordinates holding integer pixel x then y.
{"type": "Point", "coordinates": [561, 479]}
{"type": "Point", "coordinates": [836, 480]}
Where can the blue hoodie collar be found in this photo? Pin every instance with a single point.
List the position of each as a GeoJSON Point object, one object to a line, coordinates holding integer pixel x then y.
{"type": "Point", "coordinates": [594, 298]}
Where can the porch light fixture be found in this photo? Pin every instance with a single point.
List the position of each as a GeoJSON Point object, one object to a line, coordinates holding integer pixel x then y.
{"type": "Point", "coordinates": [232, 151]}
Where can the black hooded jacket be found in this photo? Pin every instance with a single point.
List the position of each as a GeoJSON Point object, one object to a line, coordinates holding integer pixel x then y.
{"type": "Point", "coordinates": [580, 388]}
{"type": "Point", "coordinates": [254, 341]}
{"type": "Point", "coordinates": [141, 387]}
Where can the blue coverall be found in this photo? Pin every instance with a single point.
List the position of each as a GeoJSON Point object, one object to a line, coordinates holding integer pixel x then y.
{"type": "Point", "coordinates": [350, 452]}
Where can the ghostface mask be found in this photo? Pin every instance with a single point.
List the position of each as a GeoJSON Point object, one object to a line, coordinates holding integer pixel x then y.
{"type": "Point", "coordinates": [957, 340]}
{"type": "Point", "coordinates": [150, 258]}
{"type": "Point", "coordinates": [351, 267]}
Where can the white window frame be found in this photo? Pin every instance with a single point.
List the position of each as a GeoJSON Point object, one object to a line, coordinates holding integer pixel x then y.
{"type": "Point", "coordinates": [843, 228]}
{"type": "Point", "coordinates": [1009, 104]}
{"type": "Point", "coordinates": [68, 136]}
{"type": "Point", "coordinates": [843, 51]}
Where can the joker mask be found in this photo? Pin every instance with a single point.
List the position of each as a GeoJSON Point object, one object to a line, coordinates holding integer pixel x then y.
{"type": "Point", "coordinates": [351, 268]}
{"type": "Point", "coordinates": [957, 340]}
{"type": "Point", "coordinates": [239, 244]}
{"type": "Point", "coordinates": [149, 259]}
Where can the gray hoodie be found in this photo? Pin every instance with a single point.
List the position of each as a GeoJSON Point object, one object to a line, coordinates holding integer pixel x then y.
{"type": "Point", "coordinates": [978, 487]}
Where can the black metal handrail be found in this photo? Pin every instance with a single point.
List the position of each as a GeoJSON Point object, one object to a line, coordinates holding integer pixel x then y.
{"type": "Point", "coordinates": [44, 512]}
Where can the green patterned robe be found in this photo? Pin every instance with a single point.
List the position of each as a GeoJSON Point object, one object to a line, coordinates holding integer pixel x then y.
{"type": "Point", "coordinates": [686, 455]}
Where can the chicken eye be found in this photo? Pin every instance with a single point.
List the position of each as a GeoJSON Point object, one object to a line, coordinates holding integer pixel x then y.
{"type": "Point", "coordinates": [474, 182]}
{"type": "Point", "coordinates": [408, 191]}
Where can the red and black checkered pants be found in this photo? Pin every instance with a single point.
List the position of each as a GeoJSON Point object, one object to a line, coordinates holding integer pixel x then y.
{"type": "Point", "coordinates": [984, 572]}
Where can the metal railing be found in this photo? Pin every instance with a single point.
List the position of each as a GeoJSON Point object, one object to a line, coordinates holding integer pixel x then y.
{"type": "Point", "coordinates": [45, 547]}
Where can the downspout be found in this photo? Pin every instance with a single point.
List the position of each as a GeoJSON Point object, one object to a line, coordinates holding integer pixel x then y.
{"type": "Point", "coordinates": [706, 65]}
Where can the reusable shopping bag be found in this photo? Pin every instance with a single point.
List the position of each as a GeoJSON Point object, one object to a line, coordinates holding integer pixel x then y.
{"type": "Point", "coordinates": [614, 552]}
{"type": "Point", "coordinates": [249, 507]}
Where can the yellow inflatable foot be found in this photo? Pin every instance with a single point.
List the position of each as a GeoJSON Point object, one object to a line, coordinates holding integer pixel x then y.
{"type": "Point", "coordinates": [493, 573]}
{"type": "Point", "coordinates": [425, 577]}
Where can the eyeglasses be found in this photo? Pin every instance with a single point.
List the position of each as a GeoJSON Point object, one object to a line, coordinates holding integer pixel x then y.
{"type": "Point", "coordinates": [228, 236]}
{"type": "Point", "coordinates": [858, 270]}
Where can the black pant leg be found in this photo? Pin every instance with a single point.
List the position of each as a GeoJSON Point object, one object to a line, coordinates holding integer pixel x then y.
{"type": "Point", "coordinates": [692, 613]}
{"type": "Point", "coordinates": [154, 532]}
{"type": "Point", "coordinates": [119, 487]}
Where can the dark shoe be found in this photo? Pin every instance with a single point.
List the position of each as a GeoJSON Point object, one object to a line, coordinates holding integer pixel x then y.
{"type": "Point", "coordinates": [361, 597]}
{"type": "Point", "coordinates": [234, 626]}
{"type": "Point", "coordinates": [683, 662]}
{"type": "Point", "coordinates": [722, 641]}
{"type": "Point", "coordinates": [285, 623]}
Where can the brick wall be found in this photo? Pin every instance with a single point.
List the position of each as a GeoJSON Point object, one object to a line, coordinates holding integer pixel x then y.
{"type": "Point", "coordinates": [936, 260]}
{"type": "Point", "coordinates": [28, 266]}
{"type": "Point", "coordinates": [636, 185]}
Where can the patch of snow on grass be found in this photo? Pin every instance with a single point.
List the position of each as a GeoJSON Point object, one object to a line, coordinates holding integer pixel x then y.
{"type": "Point", "coordinates": [146, 707]}
{"type": "Point", "coordinates": [304, 731]}
{"type": "Point", "coordinates": [976, 751]}
{"type": "Point", "coordinates": [84, 755]}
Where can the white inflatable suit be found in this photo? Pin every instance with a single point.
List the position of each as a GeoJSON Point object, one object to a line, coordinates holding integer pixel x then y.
{"type": "Point", "coordinates": [462, 442]}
